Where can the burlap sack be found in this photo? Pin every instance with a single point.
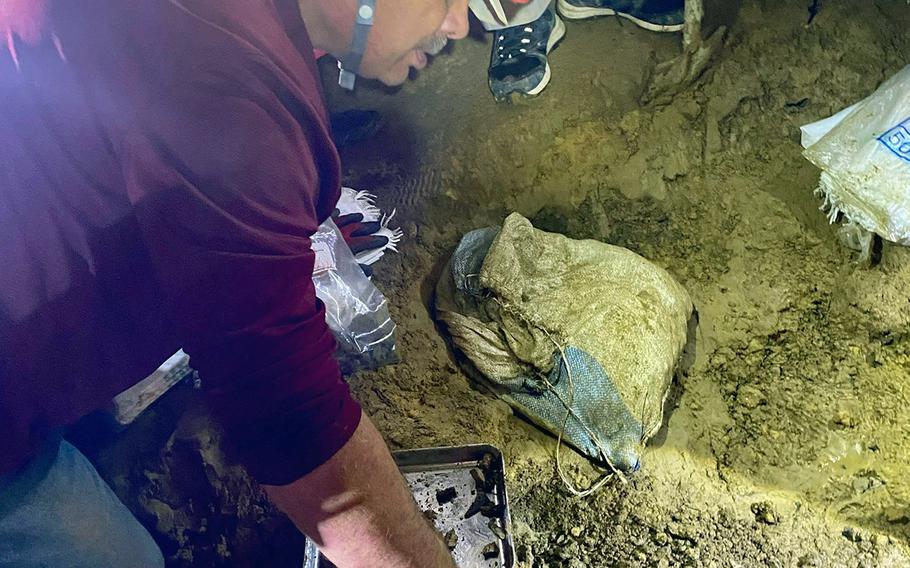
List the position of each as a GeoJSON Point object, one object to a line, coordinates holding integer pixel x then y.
{"type": "Point", "coordinates": [550, 323]}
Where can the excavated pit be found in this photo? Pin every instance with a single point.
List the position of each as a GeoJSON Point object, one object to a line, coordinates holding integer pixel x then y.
{"type": "Point", "coordinates": [789, 443]}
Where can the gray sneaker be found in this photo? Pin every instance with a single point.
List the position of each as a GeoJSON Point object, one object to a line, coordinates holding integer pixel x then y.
{"type": "Point", "coordinates": [654, 15]}
{"type": "Point", "coordinates": [518, 63]}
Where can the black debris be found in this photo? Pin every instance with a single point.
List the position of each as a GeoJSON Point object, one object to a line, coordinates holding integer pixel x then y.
{"type": "Point", "coordinates": [479, 480]}
{"type": "Point", "coordinates": [796, 106]}
{"type": "Point", "coordinates": [484, 481]}
{"type": "Point", "coordinates": [486, 462]}
{"type": "Point", "coordinates": [480, 503]}
{"type": "Point", "coordinates": [493, 510]}
{"type": "Point", "coordinates": [444, 496]}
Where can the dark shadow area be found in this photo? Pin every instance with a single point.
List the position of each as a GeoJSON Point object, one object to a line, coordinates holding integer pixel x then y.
{"type": "Point", "coordinates": [677, 386]}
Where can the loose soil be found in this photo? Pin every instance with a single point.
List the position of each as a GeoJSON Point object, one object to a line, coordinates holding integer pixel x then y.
{"type": "Point", "coordinates": [788, 444]}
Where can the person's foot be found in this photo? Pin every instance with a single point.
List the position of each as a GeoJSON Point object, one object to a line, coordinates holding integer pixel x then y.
{"type": "Point", "coordinates": [518, 63]}
{"type": "Point", "coordinates": [654, 15]}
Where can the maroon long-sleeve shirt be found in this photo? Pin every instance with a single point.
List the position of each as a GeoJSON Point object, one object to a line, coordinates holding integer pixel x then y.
{"type": "Point", "coordinates": [160, 176]}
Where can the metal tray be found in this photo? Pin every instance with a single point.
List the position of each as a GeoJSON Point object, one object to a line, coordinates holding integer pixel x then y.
{"type": "Point", "coordinates": [439, 469]}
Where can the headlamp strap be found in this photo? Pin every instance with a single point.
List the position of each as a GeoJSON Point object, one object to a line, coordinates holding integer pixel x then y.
{"type": "Point", "coordinates": [349, 65]}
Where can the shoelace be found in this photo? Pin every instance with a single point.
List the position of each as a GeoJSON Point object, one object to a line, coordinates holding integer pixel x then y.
{"type": "Point", "coordinates": [517, 41]}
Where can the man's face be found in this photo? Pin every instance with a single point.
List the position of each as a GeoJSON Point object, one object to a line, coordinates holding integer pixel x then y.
{"type": "Point", "coordinates": [406, 31]}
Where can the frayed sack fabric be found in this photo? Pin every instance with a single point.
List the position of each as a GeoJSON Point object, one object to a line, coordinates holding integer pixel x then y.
{"type": "Point", "coordinates": [581, 337]}
{"type": "Point", "coordinates": [864, 155]}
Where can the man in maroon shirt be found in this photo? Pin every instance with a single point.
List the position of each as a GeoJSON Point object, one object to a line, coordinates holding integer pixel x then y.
{"type": "Point", "coordinates": [163, 164]}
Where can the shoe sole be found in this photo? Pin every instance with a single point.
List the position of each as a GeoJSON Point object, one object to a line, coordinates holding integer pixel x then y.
{"type": "Point", "coordinates": [571, 12]}
{"type": "Point", "coordinates": [559, 32]}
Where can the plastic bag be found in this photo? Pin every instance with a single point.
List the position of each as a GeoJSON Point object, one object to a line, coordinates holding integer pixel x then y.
{"type": "Point", "coordinates": [581, 337]}
{"type": "Point", "coordinates": [864, 154]}
{"type": "Point", "coordinates": [355, 310]}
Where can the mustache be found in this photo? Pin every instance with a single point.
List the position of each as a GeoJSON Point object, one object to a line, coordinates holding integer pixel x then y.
{"type": "Point", "coordinates": [433, 44]}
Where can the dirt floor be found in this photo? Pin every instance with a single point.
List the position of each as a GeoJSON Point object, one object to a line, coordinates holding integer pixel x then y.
{"type": "Point", "coordinates": [789, 445]}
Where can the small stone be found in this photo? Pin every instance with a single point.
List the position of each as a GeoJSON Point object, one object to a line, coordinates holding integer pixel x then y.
{"type": "Point", "coordinates": [749, 396]}
{"type": "Point", "coordinates": [496, 527]}
{"type": "Point", "coordinates": [808, 561]}
{"type": "Point", "coordinates": [843, 416]}
{"type": "Point", "coordinates": [576, 531]}
{"type": "Point", "coordinates": [490, 551]}
{"type": "Point", "coordinates": [874, 359]}
{"type": "Point", "coordinates": [451, 539]}
{"type": "Point", "coordinates": [852, 534]}
{"type": "Point", "coordinates": [862, 484]}
{"type": "Point", "coordinates": [764, 513]}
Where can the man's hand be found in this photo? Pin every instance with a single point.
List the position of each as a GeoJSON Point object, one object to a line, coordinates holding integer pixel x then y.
{"type": "Point", "coordinates": [359, 510]}
{"type": "Point", "coordinates": [359, 235]}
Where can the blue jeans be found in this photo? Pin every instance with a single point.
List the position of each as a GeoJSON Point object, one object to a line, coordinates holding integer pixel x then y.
{"type": "Point", "coordinates": [58, 512]}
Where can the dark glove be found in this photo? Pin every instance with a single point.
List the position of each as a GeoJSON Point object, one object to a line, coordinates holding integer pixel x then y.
{"type": "Point", "coordinates": [359, 235]}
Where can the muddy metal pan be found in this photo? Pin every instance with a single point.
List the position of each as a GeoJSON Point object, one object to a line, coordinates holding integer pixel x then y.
{"type": "Point", "coordinates": [462, 491]}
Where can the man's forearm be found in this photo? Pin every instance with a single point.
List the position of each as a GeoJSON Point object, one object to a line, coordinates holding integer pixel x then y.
{"type": "Point", "coordinates": [359, 511]}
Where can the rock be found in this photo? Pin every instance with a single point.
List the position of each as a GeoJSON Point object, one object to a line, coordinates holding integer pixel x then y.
{"type": "Point", "coordinates": [490, 551]}
{"type": "Point", "coordinates": [862, 484]}
{"type": "Point", "coordinates": [852, 534]}
{"type": "Point", "coordinates": [576, 531]}
{"type": "Point", "coordinates": [164, 515]}
{"type": "Point", "coordinates": [809, 561]}
{"type": "Point", "coordinates": [451, 539]}
{"type": "Point", "coordinates": [764, 513]}
{"type": "Point", "coordinates": [496, 527]}
{"type": "Point", "coordinates": [749, 396]}
{"type": "Point", "coordinates": [844, 417]}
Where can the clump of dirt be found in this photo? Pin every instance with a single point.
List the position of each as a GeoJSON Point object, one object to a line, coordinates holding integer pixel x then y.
{"type": "Point", "coordinates": [788, 445]}
{"type": "Point", "coordinates": [168, 468]}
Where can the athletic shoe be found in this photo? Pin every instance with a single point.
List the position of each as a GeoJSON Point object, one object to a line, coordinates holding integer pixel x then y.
{"type": "Point", "coordinates": [654, 15]}
{"type": "Point", "coordinates": [518, 63]}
